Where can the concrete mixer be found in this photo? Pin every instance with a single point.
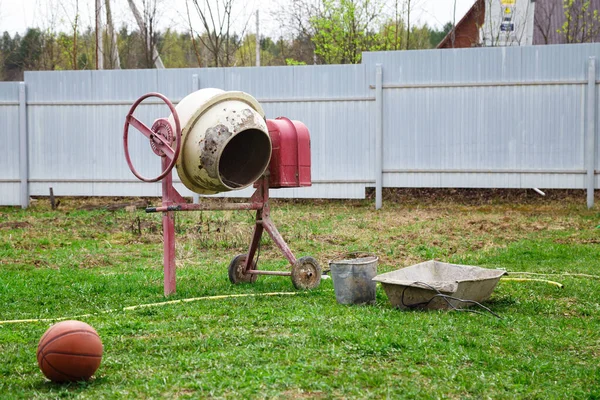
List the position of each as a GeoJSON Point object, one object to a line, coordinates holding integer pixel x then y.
{"type": "Point", "coordinates": [220, 141]}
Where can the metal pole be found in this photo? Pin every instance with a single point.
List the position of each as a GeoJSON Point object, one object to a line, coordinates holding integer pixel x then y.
{"type": "Point", "coordinates": [168, 221]}
{"type": "Point", "coordinates": [590, 143]}
{"type": "Point", "coordinates": [23, 150]}
{"type": "Point", "coordinates": [378, 136]}
{"type": "Point", "coordinates": [99, 37]}
{"type": "Point", "coordinates": [195, 87]}
{"type": "Point", "coordinates": [257, 42]}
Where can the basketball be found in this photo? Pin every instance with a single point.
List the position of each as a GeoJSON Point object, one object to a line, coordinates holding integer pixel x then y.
{"type": "Point", "coordinates": [69, 351]}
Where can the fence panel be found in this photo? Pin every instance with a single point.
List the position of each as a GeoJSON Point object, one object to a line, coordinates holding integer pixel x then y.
{"type": "Point", "coordinates": [9, 137]}
{"type": "Point", "coordinates": [489, 117]}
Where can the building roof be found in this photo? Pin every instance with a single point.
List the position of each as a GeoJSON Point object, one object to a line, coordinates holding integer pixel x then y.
{"type": "Point", "coordinates": [549, 19]}
{"type": "Point", "coordinates": [475, 14]}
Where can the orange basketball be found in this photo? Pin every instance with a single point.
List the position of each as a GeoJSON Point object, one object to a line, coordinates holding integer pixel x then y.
{"type": "Point", "coordinates": [69, 351]}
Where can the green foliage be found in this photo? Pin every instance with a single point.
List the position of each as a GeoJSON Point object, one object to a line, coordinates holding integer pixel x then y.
{"type": "Point", "coordinates": [344, 30]}
{"type": "Point", "coordinates": [173, 50]}
{"type": "Point", "coordinates": [582, 23]}
{"type": "Point", "coordinates": [9, 48]}
{"type": "Point", "coordinates": [291, 61]}
{"type": "Point", "coordinates": [393, 36]}
{"type": "Point", "coordinates": [245, 55]}
{"type": "Point", "coordinates": [337, 32]}
{"type": "Point", "coordinates": [30, 49]}
{"type": "Point", "coordinates": [435, 36]}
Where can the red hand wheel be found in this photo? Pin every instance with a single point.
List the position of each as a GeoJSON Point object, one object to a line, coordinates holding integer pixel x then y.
{"type": "Point", "coordinates": [160, 136]}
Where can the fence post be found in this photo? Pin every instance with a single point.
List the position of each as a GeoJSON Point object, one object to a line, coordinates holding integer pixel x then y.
{"type": "Point", "coordinates": [23, 147]}
{"type": "Point", "coordinates": [195, 86]}
{"type": "Point", "coordinates": [590, 142]}
{"type": "Point", "coordinates": [378, 136]}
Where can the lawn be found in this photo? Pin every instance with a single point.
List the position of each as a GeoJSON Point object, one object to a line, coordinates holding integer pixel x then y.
{"type": "Point", "coordinates": [84, 258]}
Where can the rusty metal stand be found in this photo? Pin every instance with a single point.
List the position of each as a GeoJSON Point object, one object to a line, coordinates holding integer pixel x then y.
{"type": "Point", "coordinates": [168, 222]}
{"type": "Point", "coordinates": [305, 272]}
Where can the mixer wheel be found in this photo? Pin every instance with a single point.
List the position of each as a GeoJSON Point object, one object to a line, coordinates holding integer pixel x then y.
{"type": "Point", "coordinates": [236, 270]}
{"type": "Point", "coordinates": [161, 137]}
{"type": "Point", "coordinates": [306, 274]}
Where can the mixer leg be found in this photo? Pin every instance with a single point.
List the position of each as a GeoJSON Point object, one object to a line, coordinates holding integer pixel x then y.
{"type": "Point", "coordinates": [169, 251]}
{"type": "Point", "coordinates": [278, 239]}
{"type": "Point", "coordinates": [258, 230]}
{"type": "Point", "coordinates": [168, 230]}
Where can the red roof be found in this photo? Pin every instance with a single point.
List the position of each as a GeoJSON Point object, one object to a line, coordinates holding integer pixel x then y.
{"type": "Point", "coordinates": [471, 21]}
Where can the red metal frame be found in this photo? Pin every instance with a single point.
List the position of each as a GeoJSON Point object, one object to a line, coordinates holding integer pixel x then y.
{"type": "Point", "coordinates": [161, 139]}
{"type": "Point", "coordinates": [172, 201]}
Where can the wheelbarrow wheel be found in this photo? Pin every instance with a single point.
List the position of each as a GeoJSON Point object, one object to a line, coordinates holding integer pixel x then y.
{"type": "Point", "coordinates": [306, 274]}
{"type": "Point", "coordinates": [236, 270]}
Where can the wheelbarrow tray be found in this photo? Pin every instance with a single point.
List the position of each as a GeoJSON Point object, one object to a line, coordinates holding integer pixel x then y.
{"type": "Point", "coordinates": [427, 285]}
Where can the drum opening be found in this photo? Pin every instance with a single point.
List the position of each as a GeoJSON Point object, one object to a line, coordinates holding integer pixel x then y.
{"type": "Point", "coordinates": [245, 157]}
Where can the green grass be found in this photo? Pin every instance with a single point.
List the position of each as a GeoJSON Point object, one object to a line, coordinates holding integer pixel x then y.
{"type": "Point", "coordinates": [70, 262]}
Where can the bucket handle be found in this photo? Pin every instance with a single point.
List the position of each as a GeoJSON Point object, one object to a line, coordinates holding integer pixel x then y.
{"type": "Point", "coordinates": [353, 255]}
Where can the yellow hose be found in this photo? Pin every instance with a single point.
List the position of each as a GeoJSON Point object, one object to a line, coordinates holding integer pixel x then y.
{"type": "Point", "coordinates": [560, 285]}
{"type": "Point", "coordinates": [555, 274]}
{"type": "Point", "coordinates": [162, 303]}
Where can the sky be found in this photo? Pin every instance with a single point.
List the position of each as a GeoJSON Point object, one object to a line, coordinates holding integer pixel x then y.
{"type": "Point", "coordinates": [18, 15]}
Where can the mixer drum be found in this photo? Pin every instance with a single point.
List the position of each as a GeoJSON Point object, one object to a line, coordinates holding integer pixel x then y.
{"type": "Point", "coordinates": [225, 143]}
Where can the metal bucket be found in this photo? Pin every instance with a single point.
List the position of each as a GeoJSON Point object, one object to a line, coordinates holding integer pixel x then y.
{"type": "Point", "coordinates": [353, 278]}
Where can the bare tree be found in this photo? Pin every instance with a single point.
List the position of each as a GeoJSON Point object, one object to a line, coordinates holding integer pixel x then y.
{"type": "Point", "coordinates": [99, 36]}
{"type": "Point", "coordinates": [294, 18]}
{"type": "Point", "coordinates": [115, 63]}
{"type": "Point", "coordinates": [218, 38]}
{"type": "Point", "coordinates": [2, 56]}
{"type": "Point", "coordinates": [408, 12]}
{"type": "Point", "coordinates": [453, 31]}
{"type": "Point", "coordinates": [490, 33]}
{"type": "Point", "coordinates": [74, 22]}
{"type": "Point", "coordinates": [147, 24]}
{"type": "Point", "coordinates": [397, 30]}
{"type": "Point", "coordinates": [545, 11]}
{"type": "Point", "coordinates": [257, 40]}
{"type": "Point", "coordinates": [50, 52]}
{"type": "Point", "coordinates": [397, 25]}
{"type": "Point", "coordinates": [197, 52]}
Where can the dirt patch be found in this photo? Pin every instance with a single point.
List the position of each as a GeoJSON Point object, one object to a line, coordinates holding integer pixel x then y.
{"type": "Point", "coordinates": [87, 203]}
{"type": "Point", "coordinates": [95, 261]}
{"type": "Point", "coordinates": [480, 196]}
{"type": "Point", "coordinates": [112, 206]}
{"type": "Point", "coordinates": [402, 196]}
{"type": "Point", "coordinates": [577, 240]}
{"type": "Point", "coordinates": [15, 225]}
{"type": "Point", "coordinates": [300, 394]}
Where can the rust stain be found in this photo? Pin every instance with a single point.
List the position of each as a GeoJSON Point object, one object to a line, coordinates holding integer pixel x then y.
{"type": "Point", "coordinates": [206, 184]}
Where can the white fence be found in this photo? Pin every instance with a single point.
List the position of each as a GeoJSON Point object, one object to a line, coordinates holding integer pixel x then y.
{"type": "Point", "coordinates": [518, 117]}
